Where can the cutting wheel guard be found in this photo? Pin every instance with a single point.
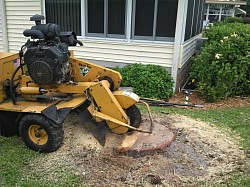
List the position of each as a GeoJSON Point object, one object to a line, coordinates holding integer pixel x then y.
{"type": "Point", "coordinates": [99, 115]}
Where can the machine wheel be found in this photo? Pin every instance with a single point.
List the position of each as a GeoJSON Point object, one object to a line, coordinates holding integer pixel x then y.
{"type": "Point", "coordinates": [39, 134]}
{"type": "Point", "coordinates": [135, 116]}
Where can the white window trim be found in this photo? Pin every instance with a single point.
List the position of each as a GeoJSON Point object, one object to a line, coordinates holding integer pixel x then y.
{"type": "Point", "coordinates": [105, 34]}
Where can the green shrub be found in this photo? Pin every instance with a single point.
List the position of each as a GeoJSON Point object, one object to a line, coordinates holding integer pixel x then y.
{"type": "Point", "coordinates": [232, 20]}
{"type": "Point", "coordinates": [149, 81]}
{"type": "Point", "coordinates": [223, 29]}
{"type": "Point", "coordinates": [223, 67]}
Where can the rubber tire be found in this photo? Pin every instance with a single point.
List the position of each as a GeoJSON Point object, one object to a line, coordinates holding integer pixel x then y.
{"type": "Point", "coordinates": [55, 134]}
{"type": "Point", "coordinates": [135, 116]}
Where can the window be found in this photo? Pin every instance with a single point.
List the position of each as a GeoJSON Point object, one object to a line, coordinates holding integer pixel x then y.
{"type": "Point", "coordinates": [148, 19]}
{"type": "Point", "coordinates": [195, 14]}
{"type": "Point", "coordinates": [106, 18]}
{"type": "Point", "coordinates": [216, 12]}
{"type": "Point", "coordinates": [66, 13]}
{"type": "Point", "coordinates": [154, 19]}
{"type": "Point", "coordinates": [116, 17]}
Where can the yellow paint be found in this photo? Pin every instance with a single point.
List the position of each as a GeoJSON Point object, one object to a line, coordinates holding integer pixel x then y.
{"type": "Point", "coordinates": [73, 103]}
{"type": "Point", "coordinates": [37, 107]}
{"type": "Point", "coordinates": [108, 105]}
{"type": "Point", "coordinates": [94, 73]}
{"type": "Point", "coordinates": [30, 90]}
{"type": "Point", "coordinates": [38, 135]}
{"type": "Point", "coordinates": [6, 70]}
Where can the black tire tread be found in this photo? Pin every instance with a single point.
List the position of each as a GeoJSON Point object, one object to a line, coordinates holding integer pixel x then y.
{"type": "Point", "coordinates": [135, 116]}
{"type": "Point", "coordinates": [56, 134]}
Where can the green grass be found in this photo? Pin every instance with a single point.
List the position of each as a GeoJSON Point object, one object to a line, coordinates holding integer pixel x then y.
{"type": "Point", "coordinates": [235, 119]}
{"type": "Point", "coordinates": [15, 170]}
{"type": "Point", "coordinates": [15, 157]}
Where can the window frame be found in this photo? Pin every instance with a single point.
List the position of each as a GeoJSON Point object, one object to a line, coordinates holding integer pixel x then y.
{"type": "Point", "coordinates": [105, 34]}
{"type": "Point", "coordinates": [194, 31]}
{"type": "Point", "coordinates": [153, 37]}
{"type": "Point", "coordinates": [129, 27]}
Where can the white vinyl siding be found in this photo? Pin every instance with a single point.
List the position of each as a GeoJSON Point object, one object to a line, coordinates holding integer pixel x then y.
{"type": "Point", "coordinates": [1, 33]}
{"type": "Point", "coordinates": [187, 51]}
{"type": "Point", "coordinates": [126, 52]}
{"type": "Point", "coordinates": [18, 13]}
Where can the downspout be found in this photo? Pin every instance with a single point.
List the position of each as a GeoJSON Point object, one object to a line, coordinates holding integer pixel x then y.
{"type": "Point", "coordinates": [207, 14]}
{"type": "Point", "coordinates": [4, 27]}
{"type": "Point", "coordinates": [220, 13]}
{"type": "Point", "coordinates": [233, 11]}
{"type": "Point", "coordinates": [180, 21]}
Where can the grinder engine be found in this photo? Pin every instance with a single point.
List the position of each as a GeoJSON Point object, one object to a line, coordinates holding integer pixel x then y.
{"type": "Point", "coordinates": [47, 55]}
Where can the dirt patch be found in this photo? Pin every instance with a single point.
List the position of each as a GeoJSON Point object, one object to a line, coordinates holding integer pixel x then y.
{"type": "Point", "coordinates": [200, 154]}
{"type": "Point", "coordinates": [196, 98]}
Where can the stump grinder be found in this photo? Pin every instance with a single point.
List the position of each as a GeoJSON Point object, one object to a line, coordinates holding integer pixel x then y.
{"type": "Point", "coordinates": [44, 82]}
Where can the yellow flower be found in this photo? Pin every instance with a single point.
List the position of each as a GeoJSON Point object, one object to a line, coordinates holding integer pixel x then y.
{"type": "Point", "coordinates": [217, 56]}
{"type": "Point", "coordinates": [225, 38]}
{"type": "Point", "coordinates": [234, 35]}
{"type": "Point", "coordinates": [221, 41]}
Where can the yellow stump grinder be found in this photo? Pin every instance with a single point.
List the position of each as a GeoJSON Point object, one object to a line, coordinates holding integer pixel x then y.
{"type": "Point", "coordinates": [46, 82]}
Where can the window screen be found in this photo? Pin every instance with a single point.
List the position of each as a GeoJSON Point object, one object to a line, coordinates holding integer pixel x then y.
{"type": "Point", "coordinates": [166, 18]}
{"type": "Point", "coordinates": [96, 16]}
{"type": "Point", "coordinates": [66, 13]}
{"type": "Point", "coordinates": [144, 17]}
{"type": "Point", "coordinates": [189, 20]}
{"type": "Point", "coordinates": [116, 16]}
{"type": "Point", "coordinates": [154, 19]}
{"type": "Point", "coordinates": [106, 18]}
{"type": "Point", "coordinates": [194, 20]}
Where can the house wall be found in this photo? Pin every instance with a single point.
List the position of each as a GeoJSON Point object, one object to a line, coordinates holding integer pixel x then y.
{"type": "Point", "coordinates": [18, 13]}
{"type": "Point", "coordinates": [106, 51]}
{"type": "Point", "coordinates": [1, 33]}
{"type": "Point", "coordinates": [125, 52]}
{"type": "Point", "coordinates": [187, 51]}
{"type": "Point", "coordinates": [193, 30]}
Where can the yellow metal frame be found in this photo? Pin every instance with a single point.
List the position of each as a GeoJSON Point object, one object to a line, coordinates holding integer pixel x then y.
{"type": "Point", "coordinates": [91, 82]}
{"type": "Point", "coordinates": [85, 71]}
{"type": "Point", "coordinates": [6, 70]}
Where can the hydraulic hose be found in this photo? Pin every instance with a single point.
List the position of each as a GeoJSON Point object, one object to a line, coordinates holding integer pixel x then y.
{"type": "Point", "coordinates": [13, 91]}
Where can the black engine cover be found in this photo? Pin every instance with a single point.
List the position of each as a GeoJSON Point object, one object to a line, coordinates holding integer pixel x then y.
{"type": "Point", "coordinates": [47, 64]}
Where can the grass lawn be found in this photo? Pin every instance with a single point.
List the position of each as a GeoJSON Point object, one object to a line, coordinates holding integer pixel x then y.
{"type": "Point", "coordinates": [236, 119]}
{"type": "Point", "coordinates": [15, 160]}
{"type": "Point", "coordinates": [15, 157]}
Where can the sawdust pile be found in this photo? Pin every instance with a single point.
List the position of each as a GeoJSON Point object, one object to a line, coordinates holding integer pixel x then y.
{"type": "Point", "coordinates": [201, 154]}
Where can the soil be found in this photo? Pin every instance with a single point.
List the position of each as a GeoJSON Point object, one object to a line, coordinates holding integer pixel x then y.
{"type": "Point", "coordinates": [196, 98]}
{"type": "Point", "coordinates": [201, 154]}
